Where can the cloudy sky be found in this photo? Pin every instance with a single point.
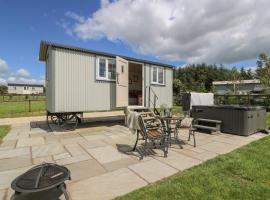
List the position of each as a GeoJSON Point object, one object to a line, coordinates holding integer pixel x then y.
{"type": "Point", "coordinates": [226, 32]}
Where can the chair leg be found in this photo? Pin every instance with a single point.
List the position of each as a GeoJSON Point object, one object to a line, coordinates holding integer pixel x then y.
{"type": "Point", "coordinates": [144, 149]}
{"type": "Point", "coordinates": [134, 148]}
{"type": "Point", "coordinates": [194, 138]}
{"type": "Point", "coordinates": [189, 133]}
{"type": "Point", "coordinates": [165, 146]}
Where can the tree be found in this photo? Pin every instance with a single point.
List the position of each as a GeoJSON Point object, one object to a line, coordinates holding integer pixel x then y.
{"type": "Point", "coordinates": [263, 70]}
{"type": "Point", "coordinates": [235, 78]}
{"type": "Point", "coordinates": [178, 86]}
{"type": "Point", "coordinates": [3, 89]}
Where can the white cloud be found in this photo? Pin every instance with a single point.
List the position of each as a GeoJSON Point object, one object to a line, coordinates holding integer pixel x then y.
{"type": "Point", "coordinates": [224, 31]}
{"type": "Point", "coordinates": [3, 67]}
{"type": "Point", "coordinates": [22, 73]}
{"type": "Point", "coordinates": [23, 76]}
{"type": "Point", "coordinates": [20, 76]}
{"type": "Point", "coordinates": [3, 81]}
{"type": "Point", "coordinates": [75, 16]}
{"type": "Point", "coordinates": [252, 68]}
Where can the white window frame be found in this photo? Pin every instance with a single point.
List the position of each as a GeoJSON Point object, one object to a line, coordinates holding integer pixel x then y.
{"type": "Point", "coordinates": [157, 77]}
{"type": "Point", "coordinates": [98, 77]}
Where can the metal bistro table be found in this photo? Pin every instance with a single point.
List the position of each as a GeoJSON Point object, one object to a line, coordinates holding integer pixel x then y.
{"type": "Point", "coordinates": [172, 125]}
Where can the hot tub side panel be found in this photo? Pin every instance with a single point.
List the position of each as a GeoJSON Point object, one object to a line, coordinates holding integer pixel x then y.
{"type": "Point", "coordinates": [235, 120]}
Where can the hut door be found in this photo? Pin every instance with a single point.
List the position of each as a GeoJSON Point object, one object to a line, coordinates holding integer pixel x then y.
{"type": "Point", "coordinates": [121, 82]}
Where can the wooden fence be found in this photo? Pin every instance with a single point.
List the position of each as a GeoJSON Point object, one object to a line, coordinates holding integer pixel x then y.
{"type": "Point", "coordinates": [20, 105]}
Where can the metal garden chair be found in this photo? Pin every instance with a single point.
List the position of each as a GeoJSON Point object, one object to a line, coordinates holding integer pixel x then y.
{"type": "Point", "coordinates": [187, 123]}
{"type": "Point", "coordinates": [153, 134]}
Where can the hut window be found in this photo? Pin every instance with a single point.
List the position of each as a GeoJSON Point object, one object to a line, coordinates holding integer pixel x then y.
{"type": "Point", "coordinates": [106, 69]}
{"type": "Point", "coordinates": [157, 75]}
{"type": "Point", "coordinates": [102, 68]}
{"type": "Point", "coordinates": [111, 69]}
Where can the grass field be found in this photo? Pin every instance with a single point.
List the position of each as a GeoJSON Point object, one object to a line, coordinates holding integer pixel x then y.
{"type": "Point", "coordinates": [3, 131]}
{"type": "Point", "coordinates": [241, 174]}
{"type": "Point", "coordinates": [268, 119]}
{"type": "Point", "coordinates": [4, 98]}
{"type": "Point", "coordinates": [20, 109]}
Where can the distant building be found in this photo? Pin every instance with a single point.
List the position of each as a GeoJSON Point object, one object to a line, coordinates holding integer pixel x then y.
{"type": "Point", "coordinates": [241, 87]}
{"type": "Point", "coordinates": [19, 88]}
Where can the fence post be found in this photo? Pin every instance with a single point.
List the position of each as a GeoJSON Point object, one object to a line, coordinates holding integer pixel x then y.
{"type": "Point", "coordinates": [29, 105]}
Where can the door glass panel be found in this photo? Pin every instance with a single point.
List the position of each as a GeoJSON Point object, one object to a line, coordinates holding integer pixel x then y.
{"type": "Point", "coordinates": [154, 78]}
{"type": "Point", "coordinates": [160, 75]}
{"type": "Point", "coordinates": [102, 68]}
{"type": "Point", "coordinates": [111, 69]}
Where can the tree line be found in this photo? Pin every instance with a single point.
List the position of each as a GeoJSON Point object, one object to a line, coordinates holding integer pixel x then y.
{"type": "Point", "coordinates": [199, 77]}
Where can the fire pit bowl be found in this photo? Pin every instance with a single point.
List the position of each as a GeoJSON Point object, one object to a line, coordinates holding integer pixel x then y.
{"type": "Point", "coordinates": [42, 177]}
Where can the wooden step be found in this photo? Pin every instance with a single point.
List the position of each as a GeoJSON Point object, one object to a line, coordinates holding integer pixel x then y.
{"type": "Point", "coordinates": [146, 113]}
{"type": "Point", "coordinates": [148, 118]}
{"type": "Point", "coordinates": [205, 127]}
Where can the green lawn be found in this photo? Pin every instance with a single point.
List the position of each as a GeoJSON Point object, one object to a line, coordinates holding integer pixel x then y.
{"type": "Point", "coordinates": [4, 98]}
{"type": "Point", "coordinates": [4, 129]}
{"type": "Point", "coordinates": [241, 174]}
{"type": "Point", "coordinates": [268, 120]}
{"type": "Point", "coordinates": [21, 109]}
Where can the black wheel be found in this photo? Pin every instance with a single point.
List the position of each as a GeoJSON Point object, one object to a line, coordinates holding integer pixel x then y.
{"type": "Point", "coordinates": [71, 122]}
{"type": "Point", "coordinates": [64, 121]}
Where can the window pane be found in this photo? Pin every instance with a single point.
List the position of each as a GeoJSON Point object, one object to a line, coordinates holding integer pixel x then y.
{"type": "Point", "coordinates": [111, 69]}
{"type": "Point", "coordinates": [154, 78]}
{"type": "Point", "coordinates": [102, 68]}
{"type": "Point", "coordinates": [160, 75]}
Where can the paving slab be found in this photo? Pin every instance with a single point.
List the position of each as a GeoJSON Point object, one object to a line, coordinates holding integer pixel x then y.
{"type": "Point", "coordinates": [152, 170]}
{"type": "Point", "coordinates": [119, 164]}
{"type": "Point", "coordinates": [106, 186]}
{"type": "Point", "coordinates": [15, 162]}
{"type": "Point", "coordinates": [203, 156]}
{"type": "Point", "coordinates": [66, 161]}
{"type": "Point", "coordinates": [233, 141]}
{"type": "Point", "coordinates": [40, 160]}
{"type": "Point", "coordinates": [6, 177]}
{"type": "Point", "coordinates": [10, 153]}
{"type": "Point", "coordinates": [8, 144]}
{"type": "Point", "coordinates": [51, 139]}
{"type": "Point", "coordinates": [75, 149]}
{"type": "Point", "coordinates": [106, 154]}
{"type": "Point", "coordinates": [92, 144]}
{"type": "Point", "coordinates": [61, 156]}
{"type": "Point", "coordinates": [2, 194]}
{"type": "Point", "coordinates": [47, 150]}
{"type": "Point", "coordinates": [85, 169]}
{"type": "Point", "coordinates": [218, 147]}
{"type": "Point", "coordinates": [72, 140]}
{"type": "Point", "coordinates": [178, 161]}
{"type": "Point", "coordinates": [27, 142]}
{"type": "Point", "coordinates": [95, 137]}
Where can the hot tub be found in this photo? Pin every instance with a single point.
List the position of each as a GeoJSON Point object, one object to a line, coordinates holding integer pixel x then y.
{"type": "Point", "coordinates": [239, 120]}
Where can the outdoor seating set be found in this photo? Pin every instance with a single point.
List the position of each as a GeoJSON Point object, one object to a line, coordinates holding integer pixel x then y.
{"type": "Point", "coordinates": [159, 131]}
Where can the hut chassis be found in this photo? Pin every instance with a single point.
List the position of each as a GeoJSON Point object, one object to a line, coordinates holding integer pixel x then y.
{"type": "Point", "coordinates": [64, 120]}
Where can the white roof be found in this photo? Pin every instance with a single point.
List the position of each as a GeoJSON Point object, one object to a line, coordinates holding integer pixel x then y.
{"type": "Point", "coordinates": [236, 82]}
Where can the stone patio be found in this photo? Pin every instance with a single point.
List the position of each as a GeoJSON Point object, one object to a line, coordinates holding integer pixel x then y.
{"type": "Point", "coordinates": [100, 158]}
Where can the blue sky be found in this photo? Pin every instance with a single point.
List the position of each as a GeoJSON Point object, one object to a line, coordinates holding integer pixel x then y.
{"type": "Point", "coordinates": [25, 23]}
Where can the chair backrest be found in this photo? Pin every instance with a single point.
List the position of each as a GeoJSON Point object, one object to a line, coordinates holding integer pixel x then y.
{"type": "Point", "coordinates": [186, 122]}
{"type": "Point", "coordinates": [142, 126]}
